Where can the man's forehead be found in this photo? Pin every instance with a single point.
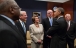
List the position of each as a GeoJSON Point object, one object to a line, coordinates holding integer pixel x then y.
{"type": "Point", "coordinates": [67, 14]}
{"type": "Point", "coordinates": [49, 11]}
{"type": "Point", "coordinates": [22, 12]}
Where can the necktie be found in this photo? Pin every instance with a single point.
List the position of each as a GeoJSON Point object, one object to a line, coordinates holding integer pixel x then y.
{"type": "Point", "coordinates": [24, 28]}
{"type": "Point", "coordinates": [51, 21]}
{"type": "Point", "coordinates": [68, 25]}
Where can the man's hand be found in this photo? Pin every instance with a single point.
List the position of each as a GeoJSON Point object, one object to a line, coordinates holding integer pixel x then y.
{"type": "Point", "coordinates": [39, 41]}
{"type": "Point", "coordinates": [49, 36]}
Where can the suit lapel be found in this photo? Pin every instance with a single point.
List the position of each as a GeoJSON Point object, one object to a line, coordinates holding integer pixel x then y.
{"type": "Point", "coordinates": [70, 24]}
{"type": "Point", "coordinates": [54, 20]}
{"type": "Point", "coordinates": [20, 26]}
{"type": "Point", "coordinates": [11, 25]}
{"type": "Point", "coordinates": [48, 22]}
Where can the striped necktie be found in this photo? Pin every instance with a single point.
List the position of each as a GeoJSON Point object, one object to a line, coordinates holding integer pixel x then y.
{"type": "Point", "coordinates": [51, 21]}
{"type": "Point", "coordinates": [24, 28]}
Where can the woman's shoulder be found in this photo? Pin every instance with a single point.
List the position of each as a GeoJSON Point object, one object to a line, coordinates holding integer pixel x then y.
{"type": "Point", "coordinates": [40, 24]}
{"type": "Point", "coordinates": [31, 25]}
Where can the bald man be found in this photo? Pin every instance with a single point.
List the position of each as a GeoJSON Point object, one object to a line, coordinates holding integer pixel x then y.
{"type": "Point", "coordinates": [71, 29]}
{"type": "Point", "coordinates": [10, 37]}
{"type": "Point", "coordinates": [21, 24]}
{"type": "Point", "coordinates": [47, 23]}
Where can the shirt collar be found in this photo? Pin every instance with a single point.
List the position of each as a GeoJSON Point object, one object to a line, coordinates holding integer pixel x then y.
{"type": "Point", "coordinates": [21, 22]}
{"type": "Point", "coordinates": [59, 17]}
{"type": "Point", "coordinates": [50, 18]}
{"type": "Point", "coordinates": [8, 19]}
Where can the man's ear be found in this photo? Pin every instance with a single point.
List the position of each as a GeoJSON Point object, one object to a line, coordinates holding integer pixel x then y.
{"type": "Point", "coordinates": [11, 10]}
{"type": "Point", "coordinates": [60, 12]}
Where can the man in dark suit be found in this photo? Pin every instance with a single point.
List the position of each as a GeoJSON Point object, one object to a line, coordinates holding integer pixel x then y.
{"type": "Point", "coordinates": [21, 24]}
{"type": "Point", "coordinates": [58, 30]}
{"type": "Point", "coordinates": [47, 23]}
{"type": "Point", "coordinates": [10, 36]}
{"type": "Point", "coordinates": [70, 37]}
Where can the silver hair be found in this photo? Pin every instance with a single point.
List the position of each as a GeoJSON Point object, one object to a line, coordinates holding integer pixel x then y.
{"type": "Point", "coordinates": [49, 11]}
{"type": "Point", "coordinates": [5, 3]}
{"type": "Point", "coordinates": [22, 12]}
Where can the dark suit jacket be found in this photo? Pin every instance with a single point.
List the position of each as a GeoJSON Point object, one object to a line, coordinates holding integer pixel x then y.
{"type": "Point", "coordinates": [58, 32]}
{"type": "Point", "coordinates": [46, 25]}
{"type": "Point", "coordinates": [21, 30]}
{"type": "Point", "coordinates": [72, 30]}
{"type": "Point", "coordinates": [59, 27]}
{"type": "Point", "coordinates": [10, 36]}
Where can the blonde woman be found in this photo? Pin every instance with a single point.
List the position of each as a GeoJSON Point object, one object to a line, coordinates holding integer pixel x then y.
{"type": "Point", "coordinates": [37, 33]}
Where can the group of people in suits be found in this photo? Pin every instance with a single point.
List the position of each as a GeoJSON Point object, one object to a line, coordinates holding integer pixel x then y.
{"type": "Point", "coordinates": [11, 36]}
{"type": "Point", "coordinates": [54, 32]}
{"type": "Point", "coordinates": [57, 32]}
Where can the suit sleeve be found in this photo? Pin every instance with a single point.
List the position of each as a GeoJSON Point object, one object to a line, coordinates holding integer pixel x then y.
{"type": "Point", "coordinates": [43, 23]}
{"type": "Point", "coordinates": [7, 40]}
{"type": "Point", "coordinates": [32, 34]}
{"type": "Point", "coordinates": [42, 32]}
{"type": "Point", "coordinates": [52, 30]}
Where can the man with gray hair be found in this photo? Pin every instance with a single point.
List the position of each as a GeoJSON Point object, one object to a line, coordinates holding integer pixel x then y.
{"type": "Point", "coordinates": [58, 30]}
{"type": "Point", "coordinates": [47, 23]}
{"type": "Point", "coordinates": [10, 37]}
{"type": "Point", "coordinates": [71, 30]}
{"type": "Point", "coordinates": [21, 24]}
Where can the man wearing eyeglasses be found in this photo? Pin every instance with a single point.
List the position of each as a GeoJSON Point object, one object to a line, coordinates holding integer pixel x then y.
{"type": "Point", "coordinates": [10, 37]}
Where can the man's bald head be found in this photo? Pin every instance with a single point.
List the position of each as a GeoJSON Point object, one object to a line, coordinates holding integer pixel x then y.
{"type": "Point", "coordinates": [4, 4]}
{"type": "Point", "coordinates": [22, 12]}
{"type": "Point", "coordinates": [68, 17]}
{"type": "Point", "coordinates": [49, 13]}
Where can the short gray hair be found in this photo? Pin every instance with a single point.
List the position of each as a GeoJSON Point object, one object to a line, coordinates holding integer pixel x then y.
{"type": "Point", "coordinates": [49, 10]}
{"type": "Point", "coordinates": [5, 3]}
{"type": "Point", "coordinates": [62, 10]}
{"type": "Point", "coordinates": [21, 12]}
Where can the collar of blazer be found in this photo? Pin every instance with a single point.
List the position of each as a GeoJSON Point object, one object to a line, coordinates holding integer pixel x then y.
{"type": "Point", "coordinates": [59, 17]}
